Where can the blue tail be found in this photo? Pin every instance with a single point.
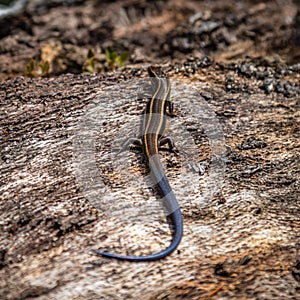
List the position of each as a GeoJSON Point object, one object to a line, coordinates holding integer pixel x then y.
{"type": "Point", "coordinates": [176, 219]}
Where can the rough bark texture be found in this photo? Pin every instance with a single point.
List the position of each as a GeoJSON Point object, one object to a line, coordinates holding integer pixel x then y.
{"type": "Point", "coordinates": [242, 244]}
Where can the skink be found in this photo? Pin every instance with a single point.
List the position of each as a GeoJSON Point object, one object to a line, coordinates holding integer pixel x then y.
{"type": "Point", "coordinates": [154, 124]}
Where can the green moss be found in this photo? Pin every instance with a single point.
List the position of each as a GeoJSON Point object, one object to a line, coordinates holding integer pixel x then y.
{"type": "Point", "coordinates": [114, 60]}
{"type": "Point", "coordinates": [36, 69]}
{"type": "Point", "coordinates": [110, 61]}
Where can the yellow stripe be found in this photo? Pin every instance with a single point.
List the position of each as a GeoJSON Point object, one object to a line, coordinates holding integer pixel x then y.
{"type": "Point", "coordinates": [150, 112]}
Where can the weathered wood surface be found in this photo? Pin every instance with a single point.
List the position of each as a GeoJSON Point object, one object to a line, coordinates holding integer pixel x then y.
{"type": "Point", "coordinates": [243, 244]}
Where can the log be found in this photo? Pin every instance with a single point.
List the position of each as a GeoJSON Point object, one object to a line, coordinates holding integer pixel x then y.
{"type": "Point", "coordinates": [242, 242]}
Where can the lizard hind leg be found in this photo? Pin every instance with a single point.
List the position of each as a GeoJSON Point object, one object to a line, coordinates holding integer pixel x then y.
{"type": "Point", "coordinates": [128, 143]}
